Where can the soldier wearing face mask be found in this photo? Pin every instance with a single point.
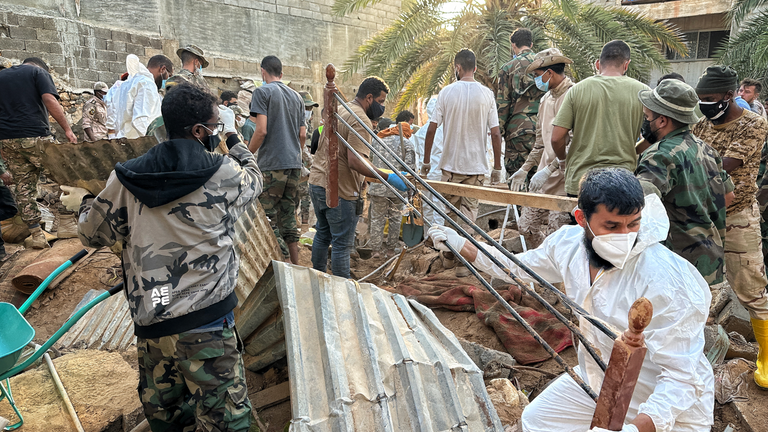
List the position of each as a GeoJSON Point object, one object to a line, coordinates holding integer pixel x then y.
{"type": "Point", "coordinates": [192, 64]}
{"type": "Point", "coordinates": [738, 135]}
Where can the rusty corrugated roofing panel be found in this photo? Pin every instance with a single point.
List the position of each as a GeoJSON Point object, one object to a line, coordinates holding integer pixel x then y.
{"type": "Point", "coordinates": [89, 164]}
{"type": "Point", "coordinates": [361, 358]}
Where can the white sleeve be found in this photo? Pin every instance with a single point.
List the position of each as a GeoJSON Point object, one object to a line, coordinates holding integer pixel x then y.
{"type": "Point", "coordinates": [437, 118]}
{"type": "Point", "coordinates": [539, 260]}
{"type": "Point", "coordinates": [675, 343]}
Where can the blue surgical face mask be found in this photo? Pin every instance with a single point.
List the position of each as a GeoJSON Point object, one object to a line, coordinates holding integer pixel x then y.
{"type": "Point", "coordinates": [540, 84]}
{"type": "Point", "coordinates": [200, 69]}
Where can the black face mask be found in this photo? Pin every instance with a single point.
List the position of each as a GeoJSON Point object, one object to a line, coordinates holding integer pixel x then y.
{"type": "Point", "coordinates": [648, 133]}
{"type": "Point", "coordinates": [375, 110]}
{"type": "Point", "coordinates": [714, 110]}
{"type": "Point", "coordinates": [210, 142]}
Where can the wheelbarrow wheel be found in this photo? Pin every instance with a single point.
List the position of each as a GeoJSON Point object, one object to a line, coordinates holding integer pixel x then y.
{"type": "Point", "coordinates": [6, 393]}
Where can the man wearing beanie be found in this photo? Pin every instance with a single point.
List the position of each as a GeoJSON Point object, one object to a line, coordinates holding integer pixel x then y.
{"type": "Point", "coordinates": [738, 135]}
{"type": "Point", "coordinates": [689, 176]}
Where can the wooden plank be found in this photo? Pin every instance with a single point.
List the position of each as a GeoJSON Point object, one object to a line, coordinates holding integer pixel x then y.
{"type": "Point", "coordinates": [502, 195]}
{"type": "Point", "coordinates": [271, 396]}
{"type": "Point", "coordinates": [330, 105]}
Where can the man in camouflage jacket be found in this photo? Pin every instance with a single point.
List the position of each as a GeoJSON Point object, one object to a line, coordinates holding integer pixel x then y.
{"type": "Point", "coordinates": [518, 102]}
{"type": "Point", "coordinates": [689, 176]}
{"type": "Point", "coordinates": [174, 211]}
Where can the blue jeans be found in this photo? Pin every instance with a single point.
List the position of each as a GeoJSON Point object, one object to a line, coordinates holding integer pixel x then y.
{"type": "Point", "coordinates": [336, 227]}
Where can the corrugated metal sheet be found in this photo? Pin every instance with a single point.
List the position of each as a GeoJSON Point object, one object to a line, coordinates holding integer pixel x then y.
{"type": "Point", "coordinates": [89, 164]}
{"type": "Point", "coordinates": [363, 359]}
{"type": "Point", "coordinates": [107, 326]}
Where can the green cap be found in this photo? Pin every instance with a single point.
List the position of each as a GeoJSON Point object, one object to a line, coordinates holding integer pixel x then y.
{"type": "Point", "coordinates": [308, 102]}
{"type": "Point", "coordinates": [672, 98]}
{"type": "Point", "coordinates": [194, 50]}
{"type": "Point", "coordinates": [717, 79]}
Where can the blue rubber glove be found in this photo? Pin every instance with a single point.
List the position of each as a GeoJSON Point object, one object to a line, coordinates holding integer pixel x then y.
{"type": "Point", "coordinates": [397, 182]}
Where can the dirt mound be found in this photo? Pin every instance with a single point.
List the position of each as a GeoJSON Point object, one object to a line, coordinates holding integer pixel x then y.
{"type": "Point", "coordinates": [101, 386]}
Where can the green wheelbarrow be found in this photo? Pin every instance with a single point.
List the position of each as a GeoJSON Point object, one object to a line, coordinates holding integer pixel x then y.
{"type": "Point", "coordinates": [16, 333]}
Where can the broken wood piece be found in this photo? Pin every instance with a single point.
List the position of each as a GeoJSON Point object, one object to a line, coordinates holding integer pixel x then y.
{"type": "Point", "coordinates": [272, 396]}
{"type": "Point", "coordinates": [30, 277]}
{"type": "Point", "coordinates": [623, 369]}
{"type": "Point", "coordinates": [391, 273]}
{"type": "Point", "coordinates": [330, 106]}
{"type": "Point", "coordinates": [505, 196]}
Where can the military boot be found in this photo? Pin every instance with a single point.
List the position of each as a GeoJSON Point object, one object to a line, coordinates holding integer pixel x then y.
{"type": "Point", "coordinates": [67, 226]}
{"type": "Point", "coordinates": [36, 240]}
{"type": "Point", "coordinates": [761, 335]}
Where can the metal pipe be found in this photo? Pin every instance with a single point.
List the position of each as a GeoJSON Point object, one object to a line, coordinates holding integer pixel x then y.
{"type": "Point", "coordinates": [580, 310]}
{"type": "Point", "coordinates": [63, 393]}
{"type": "Point", "coordinates": [495, 293]}
{"type": "Point", "coordinates": [588, 346]}
{"type": "Point", "coordinates": [504, 225]}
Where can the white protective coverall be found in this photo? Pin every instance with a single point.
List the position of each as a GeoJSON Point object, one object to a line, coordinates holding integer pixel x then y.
{"type": "Point", "coordinates": [434, 159]}
{"type": "Point", "coordinates": [135, 105]}
{"type": "Point", "coordinates": [676, 383]}
{"type": "Point", "coordinates": [111, 99]}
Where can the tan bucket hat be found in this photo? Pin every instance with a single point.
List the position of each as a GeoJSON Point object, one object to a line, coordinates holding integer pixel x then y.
{"type": "Point", "coordinates": [548, 57]}
{"type": "Point", "coordinates": [194, 49]}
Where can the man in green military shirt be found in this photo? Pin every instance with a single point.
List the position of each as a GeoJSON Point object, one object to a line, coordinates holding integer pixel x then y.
{"type": "Point", "coordinates": [192, 65]}
{"type": "Point", "coordinates": [518, 103]}
{"type": "Point", "coordinates": [689, 175]}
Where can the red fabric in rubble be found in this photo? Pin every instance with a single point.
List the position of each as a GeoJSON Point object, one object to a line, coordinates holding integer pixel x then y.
{"type": "Point", "coordinates": [453, 294]}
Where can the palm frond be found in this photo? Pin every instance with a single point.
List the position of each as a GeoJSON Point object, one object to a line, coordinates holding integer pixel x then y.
{"type": "Point", "coordinates": [742, 8]}
{"type": "Point", "coordinates": [747, 51]}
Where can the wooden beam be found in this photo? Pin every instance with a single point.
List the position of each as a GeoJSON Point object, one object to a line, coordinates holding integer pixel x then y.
{"type": "Point", "coordinates": [502, 195]}
{"type": "Point", "coordinates": [271, 396]}
{"type": "Point", "coordinates": [330, 105]}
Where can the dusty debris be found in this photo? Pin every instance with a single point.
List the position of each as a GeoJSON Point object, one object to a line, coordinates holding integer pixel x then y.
{"type": "Point", "coordinates": [101, 385]}
{"type": "Point", "coordinates": [490, 361]}
{"type": "Point", "coordinates": [740, 348]}
{"type": "Point", "coordinates": [508, 401]}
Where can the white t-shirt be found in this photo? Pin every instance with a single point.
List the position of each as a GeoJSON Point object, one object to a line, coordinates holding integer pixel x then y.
{"type": "Point", "coordinates": [467, 112]}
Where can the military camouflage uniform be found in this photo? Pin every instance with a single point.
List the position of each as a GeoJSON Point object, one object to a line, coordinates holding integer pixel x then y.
{"type": "Point", "coordinates": [306, 161]}
{"type": "Point", "coordinates": [24, 159]}
{"type": "Point", "coordinates": [690, 177]}
{"type": "Point", "coordinates": [279, 200]}
{"type": "Point", "coordinates": [194, 375]}
{"type": "Point", "coordinates": [742, 138]}
{"type": "Point", "coordinates": [95, 117]}
{"type": "Point", "coordinates": [385, 206]}
{"type": "Point", "coordinates": [186, 76]}
{"type": "Point", "coordinates": [518, 104]}
{"type": "Point", "coordinates": [762, 200]}
{"type": "Point", "coordinates": [180, 272]}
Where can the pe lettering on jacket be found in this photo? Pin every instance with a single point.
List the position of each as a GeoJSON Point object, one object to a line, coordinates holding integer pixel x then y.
{"type": "Point", "coordinates": [161, 295]}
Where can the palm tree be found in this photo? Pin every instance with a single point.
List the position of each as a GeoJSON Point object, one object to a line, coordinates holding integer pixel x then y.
{"type": "Point", "coordinates": [747, 51]}
{"type": "Point", "coordinates": [415, 53]}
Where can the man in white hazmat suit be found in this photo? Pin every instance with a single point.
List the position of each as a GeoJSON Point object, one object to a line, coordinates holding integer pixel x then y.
{"type": "Point", "coordinates": [138, 102]}
{"type": "Point", "coordinates": [613, 258]}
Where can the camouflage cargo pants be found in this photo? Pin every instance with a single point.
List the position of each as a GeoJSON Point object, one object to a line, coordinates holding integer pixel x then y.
{"type": "Point", "coordinates": [536, 224]}
{"type": "Point", "coordinates": [24, 159]}
{"type": "Point", "coordinates": [383, 209]}
{"type": "Point", "coordinates": [279, 199]}
{"type": "Point", "coordinates": [191, 376]}
{"type": "Point", "coordinates": [304, 200]}
{"type": "Point", "coordinates": [517, 151]}
{"type": "Point", "coordinates": [744, 266]}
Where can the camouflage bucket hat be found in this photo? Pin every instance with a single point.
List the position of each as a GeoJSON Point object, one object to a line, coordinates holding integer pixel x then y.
{"type": "Point", "coordinates": [548, 57]}
{"type": "Point", "coordinates": [194, 50]}
{"type": "Point", "coordinates": [672, 98]}
{"type": "Point", "coordinates": [308, 102]}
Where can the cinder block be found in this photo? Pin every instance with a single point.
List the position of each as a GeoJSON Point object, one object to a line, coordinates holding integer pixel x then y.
{"type": "Point", "coordinates": [60, 70]}
{"type": "Point", "coordinates": [84, 53]}
{"type": "Point", "coordinates": [48, 35]}
{"type": "Point", "coordinates": [221, 63]}
{"type": "Point", "coordinates": [54, 60]}
{"type": "Point", "coordinates": [120, 57]}
{"type": "Point", "coordinates": [117, 67]}
{"type": "Point", "coordinates": [97, 43]}
{"type": "Point", "coordinates": [11, 44]}
{"type": "Point", "coordinates": [102, 33]}
{"type": "Point", "coordinates": [156, 43]}
{"type": "Point", "coordinates": [150, 52]}
{"type": "Point", "coordinates": [49, 24]}
{"type": "Point", "coordinates": [734, 317]}
{"type": "Point", "coordinates": [37, 47]}
{"type": "Point", "coordinates": [116, 46]}
{"type": "Point", "coordinates": [237, 65]}
{"type": "Point", "coordinates": [108, 77]}
{"type": "Point", "coordinates": [87, 74]}
{"type": "Point", "coordinates": [11, 18]}
{"type": "Point", "coordinates": [251, 67]}
{"type": "Point", "coordinates": [106, 55]}
{"type": "Point", "coordinates": [84, 29]}
{"type": "Point", "coordinates": [98, 65]}
{"type": "Point", "coordinates": [140, 40]}
{"type": "Point", "coordinates": [271, 8]}
{"type": "Point", "coordinates": [15, 55]}
{"type": "Point", "coordinates": [120, 36]}
{"type": "Point", "coordinates": [282, 10]}
{"type": "Point", "coordinates": [55, 48]}
{"type": "Point", "coordinates": [30, 21]}
{"type": "Point", "coordinates": [132, 48]}
{"type": "Point", "coordinates": [27, 33]}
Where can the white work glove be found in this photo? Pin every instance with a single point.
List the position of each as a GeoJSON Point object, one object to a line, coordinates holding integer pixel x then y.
{"type": "Point", "coordinates": [72, 197]}
{"type": "Point", "coordinates": [227, 117]}
{"type": "Point", "coordinates": [518, 181]}
{"type": "Point", "coordinates": [442, 234]}
{"type": "Point", "coordinates": [425, 168]}
{"type": "Point", "coordinates": [538, 179]}
{"type": "Point", "coordinates": [496, 176]}
{"type": "Point", "coordinates": [626, 428]}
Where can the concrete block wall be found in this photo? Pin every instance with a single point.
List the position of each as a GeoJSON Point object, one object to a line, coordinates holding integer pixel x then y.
{"type": "Point", "coordinates": [235, 35]}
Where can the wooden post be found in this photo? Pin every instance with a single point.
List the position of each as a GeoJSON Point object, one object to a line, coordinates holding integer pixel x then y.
{"type": "Point", "coordinates": [623, 369]}
{"type": "Point", "coordinates": [330, 105]}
